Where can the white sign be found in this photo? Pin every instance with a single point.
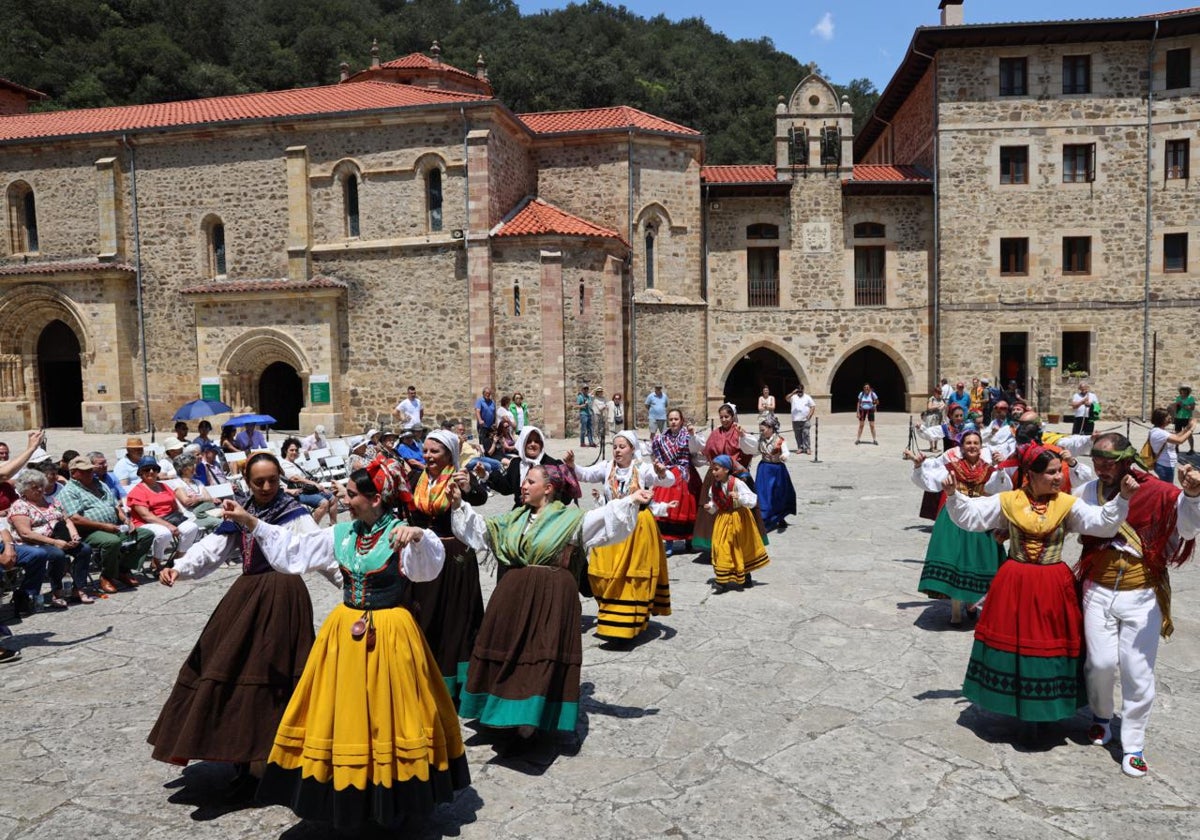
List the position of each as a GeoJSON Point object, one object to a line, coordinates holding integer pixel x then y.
{"type": "Point", "coordinates": [816, 237]}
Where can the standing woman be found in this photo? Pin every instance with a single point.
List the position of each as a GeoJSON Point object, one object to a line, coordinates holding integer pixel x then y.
{"type": "Point", "coordinates": [727, 439]}
{"type": "Point", "coordinates": [370, 733]}
{"type": "Point", "coordinates": [450, 606]}
{"type": "Point", "coordinates": [524, 671]}
{"type": "Point", "coordinates": [672, 449]}
{"type": "Point", "coordinates": [766, 403]}
{"type": "Point", "coordinates": [233, 687]}
{"type": "Point", "coordinates": [629, 579]}
{"type": "Point", "coordinates": [959, 564]}
{"type": "Point", "coordinates": [868, 401]}
{"type": "Point", "coordinates": [1164, 446]}
{"type": "Point", "coordinates": [531, 451]}
{"type": "Point", "coordinates": [776, 493]}
{"type": "Point", "coordinates": [1027, 660]}
{"type": "Point", "coordinates": [520, 412]}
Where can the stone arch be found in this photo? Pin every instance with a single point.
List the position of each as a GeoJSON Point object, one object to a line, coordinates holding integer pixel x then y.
{"type": "Point", "coordinates": [652, 211]}
{"type": "Point", "coordinates": [348, 166]}
{"type": "Point", "coordinates": [27, 309]}
{"type": "Point", "coordinates": [427, 161]}
{"type": "Point", "coordinates": [753, 358]}
{"type": "Point", "coordinates": [810, 86]}
{"type": "Point", "coordinates": [902, 367]}
{"type": "Point", "coordinates": [249, 355]}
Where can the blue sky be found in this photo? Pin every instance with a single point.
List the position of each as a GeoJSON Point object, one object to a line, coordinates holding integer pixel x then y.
{"type": "Point", "coordinates": [850, 39]}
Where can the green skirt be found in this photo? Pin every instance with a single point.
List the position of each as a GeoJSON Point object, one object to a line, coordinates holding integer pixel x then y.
{"type": "Point", "coordinates": [959, 564]}
{"type": "Point", "coordinates": [1029, 688]}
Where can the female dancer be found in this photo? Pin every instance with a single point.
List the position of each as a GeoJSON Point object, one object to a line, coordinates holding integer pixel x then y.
{"type": "Point", "coordinates": [370, 733]}
{"type": "Point", "coordinates": [959, 564]}
{"type": "Point", "coordinates": [531, 449]}
{"type": "Point", "coordinates": [776, 493]}
{"type": "Point", "coordinates": [1027, 660]}
{"type": "Point", "coordinates": [672, 449]}
{"type": "Point", "coordinates": [233, 687]}
{"type": "Point", "coordinates": [525, 668]}
{"type": "Point", "coordinates": [450, 607]}
{"type": "Point", "coordinates": [737, 547]}
{"type": "Point", "coordinates": [727, 439]}
{"type": "Point", "coordinates": [629, 579]}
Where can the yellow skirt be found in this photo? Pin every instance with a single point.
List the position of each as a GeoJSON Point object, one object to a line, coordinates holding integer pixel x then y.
{"type": "Point", "coordinates": [630, 582]}
{"type": "Point", "coordinates": [737, 547]}
{"type": "Point", "coordinates": [368, 734]}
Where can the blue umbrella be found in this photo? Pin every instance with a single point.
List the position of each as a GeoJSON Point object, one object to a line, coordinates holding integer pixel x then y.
{"type": "Point", "coordinates": [196, 409]}
{"type": "Point", "coordinates": [248, 419]}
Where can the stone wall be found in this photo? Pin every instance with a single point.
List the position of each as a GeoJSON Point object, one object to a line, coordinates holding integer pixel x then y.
{"type": "Point", "coordinates": [588, 177]}
{"type": "Point", "coordinates": [670, 351]}
{"type": "Point", "coordinates": [519, 342]}
{"type": "Point", "coordinates": [63, 179]}
{"type": "Point", "coordinates": [667, 196]}
{"type": "Point", "coordinates": [910, 138]}
{"type": "Point", "coordinates": [511, 173]}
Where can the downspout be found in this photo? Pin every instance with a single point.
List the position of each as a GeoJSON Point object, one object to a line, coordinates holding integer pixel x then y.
{"type": "Point", "coordinates": [137, 270]}
{"type": "Point", "coordinates": [704, 294]}
{"type": "Point", "coordinates": [936, 314]}
{"type": "Point", "coordinates": [1149, 218]}
{"type": "Point", "coordinates": [462, 112]}
{"type": "Point", "coordinates": [632, 286]}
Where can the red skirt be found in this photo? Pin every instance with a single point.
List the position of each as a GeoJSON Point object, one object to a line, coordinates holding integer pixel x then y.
{"type": "Point", "coordinates": [1032, 610]}
{"type": "Point", "coordinates": [679, 521]}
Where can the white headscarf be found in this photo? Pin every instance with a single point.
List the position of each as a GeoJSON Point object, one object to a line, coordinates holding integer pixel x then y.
{"type": "Point", "coordinates": [522, 439]}
{"type": "Point", "coordinates": [450, 441]}
{"type": "Point", "coordinates": [631, 436]}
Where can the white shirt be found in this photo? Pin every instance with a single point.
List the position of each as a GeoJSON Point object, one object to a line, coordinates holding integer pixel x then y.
{"type": "Point", "coordinates": [1086, 401]}
{"type": "Point", "coordinates": [411, 411]}
{"type": "Point", "coordinates": [1168, 453]}
{"type": "Point", "coordinates": [947, 391]}
{"type": "Point", "coordinates": [802, 407]}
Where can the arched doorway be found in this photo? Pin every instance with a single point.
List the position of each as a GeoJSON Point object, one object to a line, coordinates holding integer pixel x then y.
{"type": "Point", "coordinates": [60, 376]}
{"type": "Point", "coordinates": [761, 367]}
{"type": "Point", "coordinates": [869, 364]}
{"type": "Point", "coordinates": [281, 394]}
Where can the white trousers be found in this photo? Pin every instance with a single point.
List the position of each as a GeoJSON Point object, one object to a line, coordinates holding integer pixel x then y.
{"type": "Point", "coordinates": [163, 539]}
{"type": "Point", "coordinates": [1122, 630]}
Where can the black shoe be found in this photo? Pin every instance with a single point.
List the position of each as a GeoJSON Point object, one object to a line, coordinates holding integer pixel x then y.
{"type": "Point", "coordinates": [749, 582]}
{"type": "Point", "coordinates": [24, 603]}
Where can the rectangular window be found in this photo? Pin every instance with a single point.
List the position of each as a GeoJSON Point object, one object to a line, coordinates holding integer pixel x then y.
{"type": "Point", "coordinates": [1079, 163]}
{"type": "Point", "coordinates": [1076, 351]}
{"type": "Point", "coordinates": [1175, 252]}
{"type": "Point", "coordinates": [1013, 75]}
{"type": "Point", "coordinates": [870, 285]}
{"type": "Point", "coordinates": [1014, 256]}
{"type": "Point", "coordinates": [1179, 69]}
{"type": "Point", "coordinates": [1177, 159]}
{"type": "Point", "coordinates": [1077, 74]}
{"type": "Point", "coordinates": [762, 270]}
{"type": "Point", "coordinates": [1077, 255]}
{"type": "Point", "coordinates": [1014, 164]}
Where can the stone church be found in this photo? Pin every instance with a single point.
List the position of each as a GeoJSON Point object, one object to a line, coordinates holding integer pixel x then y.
{"type": "Point", "coordinates": [1018, 205]}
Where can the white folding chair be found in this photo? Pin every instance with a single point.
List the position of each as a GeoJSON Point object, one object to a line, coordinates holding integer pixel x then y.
{"type": "Point", "coordinates": [318, 454]}
{"type": "Point", "coordinates": [339, 448]}
{"type": "Point", "coordinates": [335, 468]}
{"type": "Point", "coordinates": [220, 491]}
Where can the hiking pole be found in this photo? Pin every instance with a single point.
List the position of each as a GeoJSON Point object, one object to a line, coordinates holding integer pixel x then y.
{"type": "Point", "coordinates": [816, 439]}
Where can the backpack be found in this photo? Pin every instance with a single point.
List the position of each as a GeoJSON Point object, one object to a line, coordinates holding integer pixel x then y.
{"type": "Point", "coordinates": [1148, 455]}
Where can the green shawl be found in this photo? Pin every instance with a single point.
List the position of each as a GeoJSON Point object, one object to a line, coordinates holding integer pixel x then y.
{"type": "Point", "coordinates": [542, 544]}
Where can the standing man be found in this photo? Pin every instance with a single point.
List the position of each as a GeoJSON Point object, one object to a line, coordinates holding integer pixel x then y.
{"type": "Point", "coordinates": [1127, 590]}
{"type": "Point", "coordinates": [803, 410]}
{"type": "Point", "coordinates": [583, 403]}
{"type": "Point", "coordinates": [1184, 405]}
{"type": "Point", "coordinates": [410, 411]}
{"type": "Point", "coordinates": [485, 418]}
{"type": "Point", "coordinates": [656, 405]}
{"type": "Point", "coordinates": [1082, 401]}
{"type": "Point", "coordinates": [960, 397]}
{"type": "Point", "coordinates": [603, 411]}
{"type": "Point", "coordinates": [947, 390]}
{"type": "Point", "coordinates": [102, 523]}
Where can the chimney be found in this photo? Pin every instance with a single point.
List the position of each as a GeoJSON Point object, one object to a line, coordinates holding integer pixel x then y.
{"type": "Point", "coordinates": [436, 52]}
{"type": "Point", "coordinates": [345, 71]}
{"type": "Point", "coordinates": [952, 12]}
{"type": "Point", "coordinates": [481, 68]}
{"type": "Point", "coordinates": [374, 52]}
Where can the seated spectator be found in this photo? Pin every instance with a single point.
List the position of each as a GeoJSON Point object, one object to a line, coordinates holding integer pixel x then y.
{"type": "Point", "coordinates": [44, 525]}
{"type": "Point", "coordinates": [9, 468]}
{"type": "Point", "coordinates": [228, 442]}
{"type": "Point", "coordinates": [181, 430]}
{"type": "Point", "coordinates": [470, 456]}
{"type": "Point", "coordinates": [203, 436]}
{"type": "Point", "coordinates": [408, 450]}
{"type": "Point", "coordinates": [98, 515]}
{"type": "Point", "coordinates": [32, 561]}
{"type": "Point", "coordinates": [209, 469]}
{"type": "Point", "coordinates": [250, 439]}
{"type": "Point", "coordinates": [49, 470]}
{"type": "Point", "coordinates": [63, 472]}
{"type": "Point", "coordinates": [126, 469]}
{"type": "Point", "coordinates": [172, 448]}
{"type": "Point", "coordinates": [303, 486]}
{"type": "Point", "coordinates": [358, 459]}
{"type": "Point", "coordinates": [314, 441]}
{"type": "Point", "coordinates": [100, 468]}
{"type": "Point", "coordinates": [192, 495]}
{"type": "Point", "coordinates": [152, 505]}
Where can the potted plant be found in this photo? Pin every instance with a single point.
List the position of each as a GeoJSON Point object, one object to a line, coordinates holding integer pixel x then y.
{"type": "Point", "coordinates": [1074, 370]}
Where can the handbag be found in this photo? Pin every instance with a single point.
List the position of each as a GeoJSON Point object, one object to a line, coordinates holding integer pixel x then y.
{"type": "Point", "coordinates": [175, 518]}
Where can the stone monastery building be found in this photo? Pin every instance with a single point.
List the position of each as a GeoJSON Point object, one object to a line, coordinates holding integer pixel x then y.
{"type": "Point", "coordinates": [1022, 191]}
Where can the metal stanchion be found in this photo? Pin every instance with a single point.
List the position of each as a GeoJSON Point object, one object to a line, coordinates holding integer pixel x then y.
{"type": "Point", "coordinates": [816, 439]}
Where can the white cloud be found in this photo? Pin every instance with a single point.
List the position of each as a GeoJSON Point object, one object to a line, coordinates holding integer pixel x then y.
{"type": "Point", "coordinates": [824, 27]}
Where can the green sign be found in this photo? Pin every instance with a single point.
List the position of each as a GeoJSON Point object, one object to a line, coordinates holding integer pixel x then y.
{"type": "Point", "coordinates": [210, 392]}
{"type": "Point", "coordinates": [318, 390]}
{"type": "Point", "coordinates": [1049, 361]}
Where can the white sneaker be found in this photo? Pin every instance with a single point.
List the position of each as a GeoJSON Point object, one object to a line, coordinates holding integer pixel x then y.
{"type": "Point", "coordinates": [1134, 765]}
{"type": "Point", "coordinates": [1100, 734]}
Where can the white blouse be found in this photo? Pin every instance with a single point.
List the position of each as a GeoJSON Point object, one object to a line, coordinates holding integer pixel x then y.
{"type": "Point", "coordinates": [598, 473]}
{"type": "Point", "coordinates": [932, 471]}
{"type": "Point", "coordinates": [603, 526]}
{"type": "Point", "coordinates": [983, 514]}
{"type": "Point", "coordinates": [743, 496]}
{"type": "Point", "coordinates": [297, 554]}
{"type": "Point", "coordinates": [210, 553]}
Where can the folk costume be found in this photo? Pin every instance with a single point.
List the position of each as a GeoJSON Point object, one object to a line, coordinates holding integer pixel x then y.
{"type": "Point", "coordinates": [737, 546]}
{"type": "Point", "coordinates": [629, 580]}
{"type": "Point", "coordinates": [1027, 659]}
{"type": "Point", "coordinates": [449, 607]}
{"type": "Point", "coordinates": [235, 684]}
{"type": "Point", "coordinates": [959, 564]}
{"type": "Point", "coordinates": [508, 482]}
{"type": "Point", "coordinates": [673, 451]}
{"type": "Point", "coordinates": [371, 733]}
{"type": "Point", "coordinates": [741, 448]}
{"type": "Point", "coordinates": [1127, 602]}
{"type": "Point", "coordinates": [525, 667]}
{"type": "Point", "coordinates": [773, 486]}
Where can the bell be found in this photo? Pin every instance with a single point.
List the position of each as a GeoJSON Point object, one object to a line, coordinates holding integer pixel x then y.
{"type": "Point", "coordinates": [359, 628]}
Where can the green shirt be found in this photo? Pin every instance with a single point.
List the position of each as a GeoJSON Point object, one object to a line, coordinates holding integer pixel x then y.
{"type": "Point", "coordinates": [1184, 406]}
{"type": "Point", "coordinates": [97, 504]}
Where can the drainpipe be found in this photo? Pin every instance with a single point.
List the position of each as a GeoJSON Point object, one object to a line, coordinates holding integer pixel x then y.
{"type": "Point", "coordinates": [1149, 218]}
{"type": "Point", "coordinates": [632, 283]}
{"type": "Point", "coordinates": [936, 315]}
{"type": "Point", "coordinates": [137, 265]}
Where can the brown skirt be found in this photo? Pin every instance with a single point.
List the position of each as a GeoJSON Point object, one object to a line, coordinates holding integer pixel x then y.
{"type": "Point", "coordinates": [234, 686]}
{"type": "Point", "coordinates": [525, 667]}
{"type": "Point", "coordinates": [449, 610]}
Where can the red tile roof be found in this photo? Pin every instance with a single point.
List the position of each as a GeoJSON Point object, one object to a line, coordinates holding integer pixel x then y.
{"type": "Point", "coordinates": [301, 102]}
{"type": "Point", "coordinates": [534, 217]}
{"type": "Point", "coordinates": [28, 91]}
{"type": "Point", "coordinates": [880, 172]}
{"type": "Point", "coordinates": [751, 174]}
{"type": "Point", "coordinates": [62, 267]}
{"type": "Point", "coordinates": [619, 118]}
{"type": "Point", "coordinates": [420, 61]}
{"type": "Point", "coordinates": [275, 285]}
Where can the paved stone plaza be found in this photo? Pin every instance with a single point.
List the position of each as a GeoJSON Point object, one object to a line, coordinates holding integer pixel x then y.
{"type": "Point", "coordinates": [823, 702]}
